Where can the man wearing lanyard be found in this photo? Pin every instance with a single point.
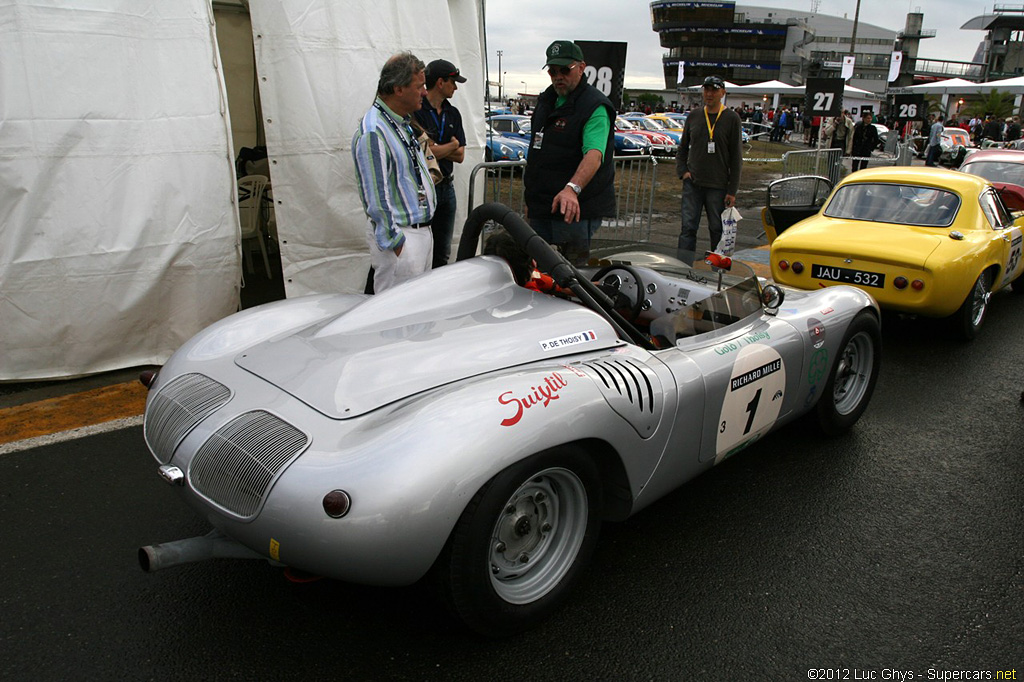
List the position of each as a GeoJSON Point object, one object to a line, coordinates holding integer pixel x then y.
{"type": "Point", "coordinates": [570, 173]}
{"type": "Point", "coordinates": [443, 125]}
{"type": "Point", "coordinates": [709, 162]}
{"type": "Point", "coordinates": [394, 182]}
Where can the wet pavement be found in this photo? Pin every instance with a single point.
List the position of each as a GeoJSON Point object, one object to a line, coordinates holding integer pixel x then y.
{"type": "Point", "coordinates": [895, 548]}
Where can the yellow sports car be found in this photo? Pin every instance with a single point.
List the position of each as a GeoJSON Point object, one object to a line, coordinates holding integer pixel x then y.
{"type": "Point", "coordinates": [920, 240]}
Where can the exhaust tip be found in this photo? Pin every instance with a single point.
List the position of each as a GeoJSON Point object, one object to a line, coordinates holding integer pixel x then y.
{"type": "Point", "coordinates": [145, 559]}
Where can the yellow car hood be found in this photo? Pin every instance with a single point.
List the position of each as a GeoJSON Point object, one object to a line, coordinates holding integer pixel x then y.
{"type": "Point", "coordinates": [861, 240]}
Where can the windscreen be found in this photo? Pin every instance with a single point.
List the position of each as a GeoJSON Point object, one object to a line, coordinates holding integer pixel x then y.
{"type": "Point", "coordinates": [890, 203]}
{"type": "Point", "coordinates": [996, 171]}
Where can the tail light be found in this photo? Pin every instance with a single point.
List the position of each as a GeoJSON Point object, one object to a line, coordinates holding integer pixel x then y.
{"type": "Point", "coordinates": [783, 265]}
{"type": "Point", "coordinates": [798, 267]}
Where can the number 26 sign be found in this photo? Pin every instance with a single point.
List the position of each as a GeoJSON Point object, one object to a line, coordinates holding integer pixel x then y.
{"type": "Point", "coordinates": [909, 107]}
{"type": "Point", "coordinates": [824, 96]}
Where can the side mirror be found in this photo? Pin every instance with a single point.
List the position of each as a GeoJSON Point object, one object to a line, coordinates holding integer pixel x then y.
{"type": "Point", "coordinates": [772, 297]}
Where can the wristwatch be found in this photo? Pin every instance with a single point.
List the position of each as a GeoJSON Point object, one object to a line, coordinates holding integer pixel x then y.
{"type": "Point", "coordinates": [574, 187]}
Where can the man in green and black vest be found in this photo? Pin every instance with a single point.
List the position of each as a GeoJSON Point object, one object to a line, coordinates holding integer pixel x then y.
{"type": "Point", "coordinates": [570, 170]}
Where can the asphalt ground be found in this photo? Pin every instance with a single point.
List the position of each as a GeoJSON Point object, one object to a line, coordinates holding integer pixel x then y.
{"type": "Point", "coordinates": [893, 552]}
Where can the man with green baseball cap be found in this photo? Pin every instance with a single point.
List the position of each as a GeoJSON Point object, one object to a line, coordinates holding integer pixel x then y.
{"type": "Point", "coordinates": [570, 170]}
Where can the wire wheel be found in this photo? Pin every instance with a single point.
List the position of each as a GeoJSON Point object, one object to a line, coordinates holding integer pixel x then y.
{"type": "Point", "coordinates": [537, 535]}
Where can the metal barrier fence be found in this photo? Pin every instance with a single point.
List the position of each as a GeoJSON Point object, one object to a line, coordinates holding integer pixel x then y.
{"type": "Point", "coordinates": [635, 179]}
{"type": "Point", "coordinates": [829, 162]}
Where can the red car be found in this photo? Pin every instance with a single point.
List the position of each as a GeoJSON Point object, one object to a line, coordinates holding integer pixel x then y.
{"type": "Point", "coordinates": [661, 144]}
{"type": "Point", "coordinates": [1004, 168]}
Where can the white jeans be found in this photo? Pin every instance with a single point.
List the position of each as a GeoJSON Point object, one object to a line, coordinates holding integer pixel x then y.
{"type": "Point", "coordinates": [417, 255]}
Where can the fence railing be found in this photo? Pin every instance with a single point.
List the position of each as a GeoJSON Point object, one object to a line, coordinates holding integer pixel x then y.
{"type": "Point", "coordinates": [829, 162]}
{"type": "Point", "coordinates": [635, 179]}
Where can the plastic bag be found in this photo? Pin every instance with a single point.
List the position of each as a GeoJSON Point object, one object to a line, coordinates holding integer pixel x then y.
{"type": "Point", "coordinates": [730, 220]}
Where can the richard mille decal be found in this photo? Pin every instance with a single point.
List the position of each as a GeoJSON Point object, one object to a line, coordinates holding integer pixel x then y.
{"type": "Point", "coordinates": [560, 342]}
{"type": "Point", "coordinates": [540, 395]}
{"type": "Point", "coordinates": [753, 401]}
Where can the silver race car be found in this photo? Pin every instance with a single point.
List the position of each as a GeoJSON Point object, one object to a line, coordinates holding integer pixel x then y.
{"type": "Point", "coordinates": [477, 425]}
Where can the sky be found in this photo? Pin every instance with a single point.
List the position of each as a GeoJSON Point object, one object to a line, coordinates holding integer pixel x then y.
{"type": "Point", "coordinates": [522, 30]}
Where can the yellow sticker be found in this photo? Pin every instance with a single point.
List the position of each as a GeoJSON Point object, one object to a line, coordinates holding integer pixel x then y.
{"type": "Point", "coordinates": [275, 549]}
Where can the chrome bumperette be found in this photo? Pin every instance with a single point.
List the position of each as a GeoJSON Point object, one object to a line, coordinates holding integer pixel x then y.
{"type": "Point", "coordinates": [177, 408]}
{"type": "Point", "coordinates": [235, 468]}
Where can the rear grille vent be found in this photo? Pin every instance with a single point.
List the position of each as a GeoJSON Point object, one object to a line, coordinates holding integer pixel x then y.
{"type": "Point", "coordinates": [631, 389]}
{"type": "Point", "coordinates": [235, 468]}
{"type": "Point", "coordinates": [177, 408]}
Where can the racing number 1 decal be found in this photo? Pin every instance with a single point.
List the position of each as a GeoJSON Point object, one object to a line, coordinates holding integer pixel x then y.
{"type": "Point", "coordinates": [753, 399]}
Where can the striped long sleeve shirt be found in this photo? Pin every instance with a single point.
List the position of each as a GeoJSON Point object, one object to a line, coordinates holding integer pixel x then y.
{"type": "Point", "coordinates": [394, 183]}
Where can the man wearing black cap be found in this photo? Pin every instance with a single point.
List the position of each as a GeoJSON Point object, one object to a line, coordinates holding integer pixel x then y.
{"type": "Point", "coordinates": [570, 172]}
{"type": "Point", "coordinates": [709, 162]}
{"type": "Point", "coordinates": [443, 125]}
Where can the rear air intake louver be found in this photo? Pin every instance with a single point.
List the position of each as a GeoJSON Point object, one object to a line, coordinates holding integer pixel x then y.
{"type": "Point", "coordinates": [631, 388]}
{"type": "Point", "coordinates": [236, 467]}
{"type": "Point", "coordinates": [177, 408]}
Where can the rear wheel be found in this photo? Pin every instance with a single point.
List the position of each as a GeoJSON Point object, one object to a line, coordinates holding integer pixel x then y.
{"type": "Point", "coordinates": [967, 320]}
{"type": "Point", "coordinates": [854, 374]}
{"type": "Point", "coordinates": [522, 543]}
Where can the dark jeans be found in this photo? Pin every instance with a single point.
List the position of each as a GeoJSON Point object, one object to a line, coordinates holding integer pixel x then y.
{"type": "Point", "coordinates": [572, 238]}
{"type": "Point", "coordinates": [443, 223]}
{"type": "Point", "coordinates": [696, 199]}
{"type": "Point", "coordinates": [934, 152]}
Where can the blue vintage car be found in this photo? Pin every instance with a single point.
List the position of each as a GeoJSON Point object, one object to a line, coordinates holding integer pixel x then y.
{"type": "Point", "coordinates": [501, 147]}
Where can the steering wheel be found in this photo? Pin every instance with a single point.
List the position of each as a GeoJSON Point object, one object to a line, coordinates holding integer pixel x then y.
{"type": "Point", "coordinates": [616, 295]}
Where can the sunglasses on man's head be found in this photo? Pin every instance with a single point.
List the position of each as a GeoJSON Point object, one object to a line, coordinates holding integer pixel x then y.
{"type": "Point", "coordinates": [563, 70]}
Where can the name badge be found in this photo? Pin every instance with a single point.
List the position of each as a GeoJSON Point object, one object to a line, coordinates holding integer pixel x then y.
{"type": "Point", "coordinates": [422, 196]}
{"type": "Point", "coordinates": [538, 138]}
{"type": "Point", "coordinates": [711, 147]}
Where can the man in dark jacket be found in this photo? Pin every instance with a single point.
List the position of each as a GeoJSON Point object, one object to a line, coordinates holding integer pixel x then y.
{"type": "Point", "coordinates": [865, 140]}
{"type": "Point", "coordinates": [570, 172]}
{"type": "Point", "coordinates": [993, 129]}
{"type": "Point", "coordinates": [709, 162]}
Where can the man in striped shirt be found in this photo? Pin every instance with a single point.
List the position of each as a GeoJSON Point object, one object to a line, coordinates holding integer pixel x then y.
{"type": "Point", "coordinates": [394, 182]}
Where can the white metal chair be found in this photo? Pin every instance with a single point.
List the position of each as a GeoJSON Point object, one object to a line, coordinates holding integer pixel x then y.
{"type": "Point", "coordinates": [250, 201]}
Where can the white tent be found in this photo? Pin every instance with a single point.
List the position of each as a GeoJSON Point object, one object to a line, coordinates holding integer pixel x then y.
{"type": "Point", "coordinates": [118, 229]}
{"type": "Point", "coordinates": [772, 87]}
{"type": "Point", "coordinates": [119, 234]}
{"type": "Point", "coordinates": [951, 86]}
{"type": "Point", "coordinates": [318, 63]}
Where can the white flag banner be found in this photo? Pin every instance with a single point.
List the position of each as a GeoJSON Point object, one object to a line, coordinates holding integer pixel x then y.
{"type": "Point", "coordinates": [682, 70]}
{"type": "Point", "coordinates": [894, 66]}
{"type": "Point", "coordinates": [847, 72]}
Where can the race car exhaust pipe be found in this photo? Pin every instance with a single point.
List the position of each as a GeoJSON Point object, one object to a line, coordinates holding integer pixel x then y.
{"type": "Point", "coordinates": [213, 545]}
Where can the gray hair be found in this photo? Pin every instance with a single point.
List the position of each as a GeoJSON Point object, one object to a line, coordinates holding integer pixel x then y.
{"type": "Point", "coordinates": [398, 72]}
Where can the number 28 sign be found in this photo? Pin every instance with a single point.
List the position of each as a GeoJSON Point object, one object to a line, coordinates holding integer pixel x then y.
{"type": "Point", "coordinates": [824, 96]}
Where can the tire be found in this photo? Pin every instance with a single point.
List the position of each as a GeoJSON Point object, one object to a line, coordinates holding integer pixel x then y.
{"type": "Point", "coordinates": [853, 376]}
{"type": "Point", "coordinates": [967, 320]}
{"type": "Point", "coordinates": [1017, 286]}
{"type": "Point", "coordinates": [546, 508]}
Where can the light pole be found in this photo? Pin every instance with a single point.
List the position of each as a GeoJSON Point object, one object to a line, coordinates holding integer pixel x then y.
{"type": "Point", "coordinates": [499, 75]}
{"type": "Point", "coordinates": [503, 74]}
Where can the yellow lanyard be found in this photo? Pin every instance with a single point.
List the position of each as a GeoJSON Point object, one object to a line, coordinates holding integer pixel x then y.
{"type": "Point", "coordinates": [711, 128]}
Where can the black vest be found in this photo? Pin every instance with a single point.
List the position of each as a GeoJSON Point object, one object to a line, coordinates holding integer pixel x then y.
{"type": "Point", "coordinates": [560, 154]}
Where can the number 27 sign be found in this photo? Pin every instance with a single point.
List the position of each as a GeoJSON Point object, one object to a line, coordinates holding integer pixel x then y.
{"type": "Point", "coordinates": [824, 96]}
